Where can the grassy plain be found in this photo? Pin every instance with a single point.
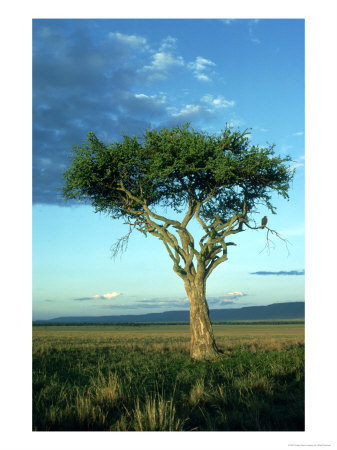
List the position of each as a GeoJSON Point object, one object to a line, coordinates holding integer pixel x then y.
{"type": "Point", "coordinates": [141, 378]}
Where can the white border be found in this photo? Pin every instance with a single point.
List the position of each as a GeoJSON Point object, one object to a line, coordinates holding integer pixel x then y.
{"type": "Point", "coordinates": [321, 100]}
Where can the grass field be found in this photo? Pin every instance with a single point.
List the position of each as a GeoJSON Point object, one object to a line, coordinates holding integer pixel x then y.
{"type": "Point", "coordinates": [127, 378]}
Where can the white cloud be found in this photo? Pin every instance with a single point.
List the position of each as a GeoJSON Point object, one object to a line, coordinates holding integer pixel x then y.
{"type": "Point", "coordinates": [142, 105]}
{"type": "Point", "coordinates": [111, 295]}
{"type": "Point", "coordinates": [204, 109]}
{"type": "Point", "coordinates": [168, 43]}
{"type": "Point", "coordinates": [107, 296]}
{"type": "Point", "coordinates": [150, 98]}
{"type": "Point", "coordinates": [299, 133]}
{"type": "Point", "coordinates": [217, 102]}
{"type": "Point", "coordinates": [226, 299]}
{"type": "Point", "coordinates": [202, 77]}
{"type": "Point", "coordinates": [162, 62]}
{"type": "Point", "coordinates": [199, 66]}
{"type": "Point", "coordinates": [234, 294]}
{"type": "Point", "coordinates": [130, 40]}
{"type": "Point", "coordinates": [188, 109]}
{"type": "Point", "coordinates": [201, 63]}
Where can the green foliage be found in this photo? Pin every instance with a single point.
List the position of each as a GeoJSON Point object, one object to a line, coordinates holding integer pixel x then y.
{"type": "Point", "coordinates": [172, 167]}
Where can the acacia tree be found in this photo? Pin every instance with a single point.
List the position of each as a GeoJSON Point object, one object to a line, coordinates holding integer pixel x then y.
{"type": "Point", "coordinates": [217, 180]}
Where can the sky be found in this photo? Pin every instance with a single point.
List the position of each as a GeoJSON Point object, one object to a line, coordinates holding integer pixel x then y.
{"type": "Point", "coordinates": [121, 76]}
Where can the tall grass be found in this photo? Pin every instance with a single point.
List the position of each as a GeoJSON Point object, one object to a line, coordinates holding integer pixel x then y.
{"type": "Point", "coordinates": [108, 380]}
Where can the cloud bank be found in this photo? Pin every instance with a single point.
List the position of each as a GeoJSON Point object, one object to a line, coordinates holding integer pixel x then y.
{"type": "Point", "coordinates": [110, 82]}
{"type": "Point", "coordinates": [177, 303]}
{"type": "Point", "coordinates": [281, 272]}
{"type": "Point", "coordinates": [107, 296]}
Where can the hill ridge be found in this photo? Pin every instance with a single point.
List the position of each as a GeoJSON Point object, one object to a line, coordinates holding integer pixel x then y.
{"type": "Point", "coordinates": [274, 311]}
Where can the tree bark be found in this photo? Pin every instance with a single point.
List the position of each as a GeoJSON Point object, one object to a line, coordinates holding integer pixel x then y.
{"type": "Point", "coordinates": [202, 345]}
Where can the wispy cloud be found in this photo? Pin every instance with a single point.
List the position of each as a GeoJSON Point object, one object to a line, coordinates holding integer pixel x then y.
{"type": "Point", "coordinates": [233, 295]}
{"type": "Point", "coordinates": [165, 59]}
{"type": "Point", "coordinates": [164, 303]}
{"type": "Point", "coordinates": [285, 148]}
{"type": "Point", "coordinates": [227, 21]}
{"type": "Point", "coordinates": [199, 68]}
{"type": "Point", "coordinates": [107, 296]}
{"type": "Point", "coordinates": [190, 113]}
{"type": "Point", "coordinates": [129, 40]}
{"type": "Point", "coordinates": [226, 299]}
{"type": "Point", "coordinates": [117, 306]}
{"type": "Point", "coordinates": [153, 304]}
{"type": "Point", "coordinates": [187, 111]}
{"type": "Point", "coordinates": [296, 163]}
{"type": "Point", "coordinates": [203, 109]}
{"type": "Point", "coordinates": [168, 43]}
{"type": "Point", "coordinates": [140, 105]}
{"type": "Point", "coordinates": [251, 29]}
{"type": "Point", "coordinates": [162, 63]}
{"type": "Point", "coordinates": [176, 302]}
{"type": "Point", "coordinates": [217, 102]}
{"type": "Point", "coordinates": [281, 272]}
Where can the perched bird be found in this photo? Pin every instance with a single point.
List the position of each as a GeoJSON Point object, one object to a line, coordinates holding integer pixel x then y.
{"type": "Point", "coordinates": [264, 221]}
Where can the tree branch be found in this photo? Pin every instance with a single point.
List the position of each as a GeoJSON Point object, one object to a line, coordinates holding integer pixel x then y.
{"type": "Point", "coordinates": [214, 263]}
{"type": "Point", "coordinates": [268, 240]}
{"type": "Point", "coordinates": [121, 245]}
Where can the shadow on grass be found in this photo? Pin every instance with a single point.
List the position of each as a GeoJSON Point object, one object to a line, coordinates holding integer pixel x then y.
{"type": "Point", "coordinates": [109, 389]}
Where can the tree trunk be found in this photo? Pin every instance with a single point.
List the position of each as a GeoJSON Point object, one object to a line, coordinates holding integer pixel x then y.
{"type": "Point", "coordinates": [202, 346]}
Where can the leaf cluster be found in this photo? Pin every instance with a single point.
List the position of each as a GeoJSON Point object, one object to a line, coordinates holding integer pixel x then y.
{"type": "Point", "coordinates": [174, 167]}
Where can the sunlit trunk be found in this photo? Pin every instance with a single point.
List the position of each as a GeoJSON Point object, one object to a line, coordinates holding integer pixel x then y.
{"type": "Point", "coordinates": [202, 345]}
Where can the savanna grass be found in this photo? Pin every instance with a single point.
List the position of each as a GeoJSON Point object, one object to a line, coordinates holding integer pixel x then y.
{"type": "Point", "coordinates": [126, 379]}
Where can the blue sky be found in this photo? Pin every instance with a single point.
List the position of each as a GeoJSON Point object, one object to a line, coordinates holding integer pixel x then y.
{"type": "Point", "coordinates": [122, 76]}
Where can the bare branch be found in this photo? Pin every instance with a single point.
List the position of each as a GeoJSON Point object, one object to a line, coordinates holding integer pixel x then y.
{"type": "Point", "coordinates": [270, 242]}
{"type": "Point", "coordinates": [121, 245]}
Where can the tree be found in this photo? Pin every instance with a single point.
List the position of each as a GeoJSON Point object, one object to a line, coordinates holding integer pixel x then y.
{"type": "Point", "coordinates": [217, 180]}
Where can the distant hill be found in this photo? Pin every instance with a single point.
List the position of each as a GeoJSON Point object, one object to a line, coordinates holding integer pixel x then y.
{"type": "Point", "coordinates": [276, 311]}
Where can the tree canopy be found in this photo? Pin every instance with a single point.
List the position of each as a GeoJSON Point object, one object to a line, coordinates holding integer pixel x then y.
{"type": "Point", "coordinates": [176, 167]}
